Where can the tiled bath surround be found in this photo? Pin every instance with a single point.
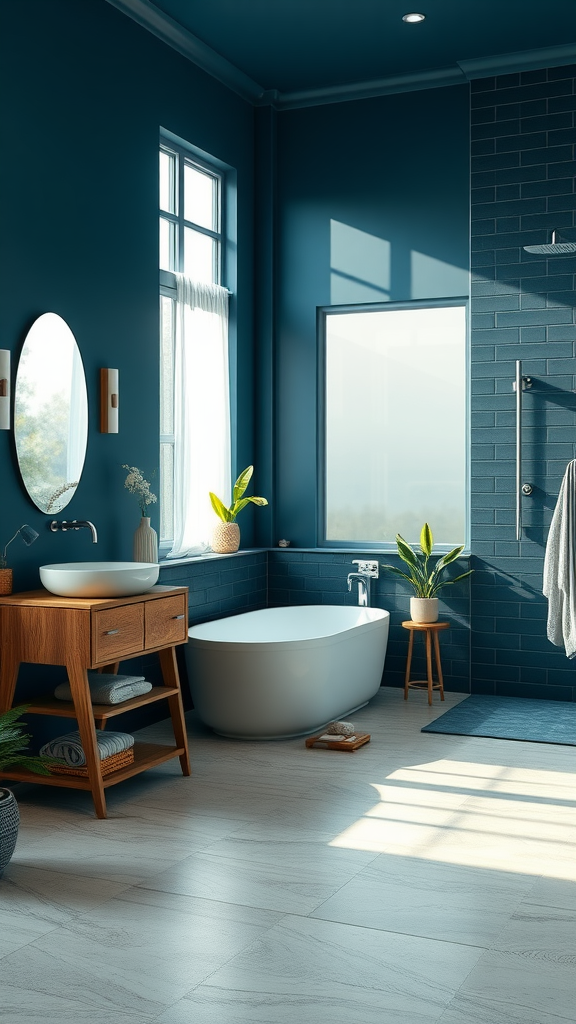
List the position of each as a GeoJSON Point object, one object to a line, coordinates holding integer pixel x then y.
{"type": "Point", "coordinates": [523, 166]}
{"type": "Point", "coordinates": [244, 582]}
{"type": "Point", "coordinates": [303, 577]}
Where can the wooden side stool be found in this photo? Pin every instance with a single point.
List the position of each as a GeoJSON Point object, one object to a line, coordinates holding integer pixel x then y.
{"type": "Point", "coordinates": [431, 630]}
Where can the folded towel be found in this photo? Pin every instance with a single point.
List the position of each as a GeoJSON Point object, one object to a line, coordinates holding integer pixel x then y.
{"type": "Point", "coordinates": [559, 567]}
{"type": "Point", "coordinates": [107, 688]}
{"type": "Point", "coordinates": [69, 748]}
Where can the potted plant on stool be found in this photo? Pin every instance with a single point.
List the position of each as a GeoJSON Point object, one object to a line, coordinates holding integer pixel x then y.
{"type": "Point", "coordinates": [426, 582]}
{"type": "Point", "coordinates": [13, 742]}
{"type": "Point", "coordinates": [226, 534]}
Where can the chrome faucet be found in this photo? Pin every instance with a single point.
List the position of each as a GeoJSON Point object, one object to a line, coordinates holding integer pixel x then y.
{"type": "Point", "coordinates": [366, 571]}
{"type": "Point", "coordinates": [74, 524]}
{"type": "Point", "coordinates": [363, 587]}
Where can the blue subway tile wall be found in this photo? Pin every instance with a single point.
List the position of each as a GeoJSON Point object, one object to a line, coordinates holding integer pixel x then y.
{"type": "Point", "coordinates": [224, 585]}
{"type": "Point", "coordinates": [522, 306]}
{"type": "Point", "coordinates": [317, 577]}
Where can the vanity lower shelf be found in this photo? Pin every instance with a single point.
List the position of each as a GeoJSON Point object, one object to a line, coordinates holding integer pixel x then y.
{"type": "Point", "coordinates": [146, 755]}
{"type": "Point", "coordinates": [101, 712]}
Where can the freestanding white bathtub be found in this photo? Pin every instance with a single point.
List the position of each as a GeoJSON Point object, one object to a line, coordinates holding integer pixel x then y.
{"type": "Point", "coordinates": [284, 672]}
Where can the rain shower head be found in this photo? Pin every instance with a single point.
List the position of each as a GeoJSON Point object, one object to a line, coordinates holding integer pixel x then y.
{"type": "Point", "coordinates": [553, 248]}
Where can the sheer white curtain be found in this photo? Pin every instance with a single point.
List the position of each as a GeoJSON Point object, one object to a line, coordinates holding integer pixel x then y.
{"type": "Point", "coordinates": [202, 412]}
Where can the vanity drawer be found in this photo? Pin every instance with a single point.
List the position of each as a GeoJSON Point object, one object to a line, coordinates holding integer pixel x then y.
{"type": "Point", "coordinates": [117, 632]}
{"type": "Point", "coordinates": [166, 621]}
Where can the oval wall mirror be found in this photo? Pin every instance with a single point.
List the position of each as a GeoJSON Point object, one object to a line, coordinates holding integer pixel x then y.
{"type": "Point", "coordinates": [50, 413]}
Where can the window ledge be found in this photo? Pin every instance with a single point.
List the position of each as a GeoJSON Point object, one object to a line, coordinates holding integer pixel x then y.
{"type": "Point", "coordinates": [207, 556]}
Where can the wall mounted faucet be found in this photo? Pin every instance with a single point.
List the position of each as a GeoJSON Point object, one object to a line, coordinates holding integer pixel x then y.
{"type": "Point", "coordinates": [74, 524]}
{"type": "Point", "coordinates": [366, 571]}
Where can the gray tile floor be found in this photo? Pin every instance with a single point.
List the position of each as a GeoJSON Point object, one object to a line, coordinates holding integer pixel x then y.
{"type": "Point", "coordinates": [424, 878]}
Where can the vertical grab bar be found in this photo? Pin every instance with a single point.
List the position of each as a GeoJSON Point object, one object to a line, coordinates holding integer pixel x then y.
{"type": "Point", "coordinates": [518, 387]}
{"type": "Point", "coordinates": [520, 384]}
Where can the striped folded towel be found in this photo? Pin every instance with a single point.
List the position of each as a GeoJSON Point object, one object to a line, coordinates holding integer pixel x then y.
{"type": "Point", "coordinates": [69, 747]}
{"type": "Point", "coordinates": [107, 688]}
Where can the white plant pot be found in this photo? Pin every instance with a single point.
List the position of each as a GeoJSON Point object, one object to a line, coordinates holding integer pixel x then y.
{"type": "Point", "coordinates": [424, 609]}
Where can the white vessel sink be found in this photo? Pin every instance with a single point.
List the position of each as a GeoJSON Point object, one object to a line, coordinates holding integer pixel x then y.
{"type": "Point", "coordinates": [99, 579]}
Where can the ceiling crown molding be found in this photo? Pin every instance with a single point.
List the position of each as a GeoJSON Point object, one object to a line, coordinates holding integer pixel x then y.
{"type": "Point", "coordinates": [433, 78]}
{"type": "Point", "coordinates": [173, 34]}
{"type": "Point", "coordinates": [146, 14]}
{"type": "Point", "coordinates": [522, 60]}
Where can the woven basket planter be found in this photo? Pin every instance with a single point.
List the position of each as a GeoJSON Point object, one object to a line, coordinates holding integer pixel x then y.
{"type": "Point", "coordinates": [9, 821]}
{"type": "Point", "coordinates": [225, 538]}
{"type": "Point", "coordinates": [5, 581]}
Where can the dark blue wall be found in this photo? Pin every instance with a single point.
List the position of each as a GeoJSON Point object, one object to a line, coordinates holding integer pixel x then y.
{"type": "Point", "coordinates": [523, 137]}
{"type": "Point", "coordinates": [84, 93]}
{"type": "Point", "coordinates": [372, 204]}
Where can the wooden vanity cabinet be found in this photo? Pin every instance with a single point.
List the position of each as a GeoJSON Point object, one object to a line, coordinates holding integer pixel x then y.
{"type": "Point", "coordinates": [96, 633]}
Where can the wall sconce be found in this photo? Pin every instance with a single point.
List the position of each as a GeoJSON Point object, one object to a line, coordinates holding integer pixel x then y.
{"type": "Point", "coordinates": [4, 389]}
{"type": "Point", "coordinates": [108, 401]}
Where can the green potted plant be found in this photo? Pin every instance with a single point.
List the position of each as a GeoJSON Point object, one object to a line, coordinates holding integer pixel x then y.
{"type": "Point", "coordinates": [226, 535]}
{"type": "Point", "coordinates": [426, 580]}
{"type": "Point", "coordinates": [13, 744]}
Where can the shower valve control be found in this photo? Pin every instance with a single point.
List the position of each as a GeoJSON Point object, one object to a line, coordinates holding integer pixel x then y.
{"type": "Point", "coordinates": [367, 568]}
{"type": "Point", "coordinates": [527, 489]}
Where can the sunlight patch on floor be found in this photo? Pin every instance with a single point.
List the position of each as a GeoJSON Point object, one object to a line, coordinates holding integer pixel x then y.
{"type": "Point", "coordinates": [473, 814]}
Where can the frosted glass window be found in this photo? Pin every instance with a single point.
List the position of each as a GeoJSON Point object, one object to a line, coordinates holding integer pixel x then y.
{"type": "Point", "coordinates": [200, 198]}
{"type": "Point", "coordinates": [395, 424]}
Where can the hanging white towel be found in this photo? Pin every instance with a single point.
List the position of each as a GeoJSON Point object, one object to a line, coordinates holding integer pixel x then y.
{"type": "Point", "coordinates": [559, 567]}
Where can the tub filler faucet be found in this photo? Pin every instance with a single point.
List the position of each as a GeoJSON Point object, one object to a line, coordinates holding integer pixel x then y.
{"type": "Point", "coordinates": [366, 571]}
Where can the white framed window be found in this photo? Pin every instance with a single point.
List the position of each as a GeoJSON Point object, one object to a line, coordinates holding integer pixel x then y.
{"type": "Point", "coordinates": [194, 370]}
{"type": "Point", "coordinates": [394, 434]}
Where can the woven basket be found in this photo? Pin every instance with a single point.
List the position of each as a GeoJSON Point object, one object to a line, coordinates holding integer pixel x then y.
{"type": "Point", "coordinates": [225, 538]}
{"type": "Point", "coordinates": [5, 581]}
{"type": "Point", "coordinates": [9, 821]}
{"type": "Point", "coordinates": [107, 765]}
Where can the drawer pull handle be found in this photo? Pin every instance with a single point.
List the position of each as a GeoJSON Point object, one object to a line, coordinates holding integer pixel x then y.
{"type": "Point", "coordinates": [177, 616]}
{"type": "Point", "coordinates": [111, 632]}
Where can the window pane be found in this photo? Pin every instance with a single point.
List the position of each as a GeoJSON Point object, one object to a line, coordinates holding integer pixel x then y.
{"type": "Point", "coordinates": [200, 198]}
{"type": "Point", "coordinates": [166, 492]}
{"type": "Point", "coordinates": [167, 182]}
{"type": "Point", "coordinates": [167, 244]}
{"type": "Point", "coordinates": [396, 424]}
{"type": "Point", "coordinates": [200, 256]}
{"type": "Point", "coordinates": [166, 365]}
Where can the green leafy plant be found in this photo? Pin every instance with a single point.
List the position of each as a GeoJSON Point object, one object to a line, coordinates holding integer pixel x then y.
{"type": "Point", "coordinates": [228, 515]}
{"type": "Point", "coordinates": [14, 741]}
{"type": "Point", "coordinates": [425, 580]}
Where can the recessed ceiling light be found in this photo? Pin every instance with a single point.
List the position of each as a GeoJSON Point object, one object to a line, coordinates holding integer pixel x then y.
{"type": "Point", "coordinates": [413, 17]}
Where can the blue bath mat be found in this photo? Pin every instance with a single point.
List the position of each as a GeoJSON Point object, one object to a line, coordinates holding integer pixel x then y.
{"type": "Point", "coordinates": [510, 718]}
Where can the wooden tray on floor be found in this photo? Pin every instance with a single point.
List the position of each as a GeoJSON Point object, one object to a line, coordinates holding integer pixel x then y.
{"type": "Point", "coordinates": [336, 744]}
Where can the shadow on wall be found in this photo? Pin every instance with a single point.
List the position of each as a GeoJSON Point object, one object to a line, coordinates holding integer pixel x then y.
{"type": "Point", "coordinates": [362, 267]}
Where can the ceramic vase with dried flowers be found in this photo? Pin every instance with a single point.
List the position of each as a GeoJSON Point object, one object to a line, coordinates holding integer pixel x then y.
{"type": "Point", "coordinates": [145, 537]}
